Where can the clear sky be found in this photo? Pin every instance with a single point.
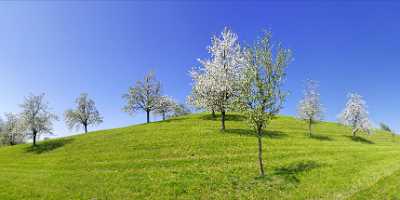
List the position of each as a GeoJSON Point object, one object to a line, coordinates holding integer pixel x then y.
{"type": "Point", "coordinates": [102, 48]}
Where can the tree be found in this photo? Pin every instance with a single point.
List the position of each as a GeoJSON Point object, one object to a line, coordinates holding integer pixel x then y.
{"type": "Point", "coordinates": [36, 116]}
{"type": "Point", "coordinates": [84, 115]}
{"type": "Point", "coordinates": [261, 94]}
{"type": "Point", "coordinates": [386, 128]}
{"type": "Point", "coordinates": [216, 84]}
{"type": "Point", "coordinates": [13, 130]}
{"type": "Point", "coordinates": [165, 106]}
{"type": "Point", "coordinates": [3, 136]}
{"type": "Point", "coordinates": [180, 110]}
{"type": "Point", "coordinates": [204, 95]}
{"type": "Point", "coordinates": [1, 124]}
{"type": "Point", "coordinates": [355, 114]}
{"type": "Point", "coordinates": [310, 108]}
{"type": "Point", "coordinates": [145, 95]}
{"type": "Point", "coordinates": [168, 108]}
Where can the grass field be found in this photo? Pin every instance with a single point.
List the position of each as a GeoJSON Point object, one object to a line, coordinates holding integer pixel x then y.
{"type": "Point", "coordinates": [188, 158]}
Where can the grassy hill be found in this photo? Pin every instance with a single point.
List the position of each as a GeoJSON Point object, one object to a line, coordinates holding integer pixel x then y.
{"type": "Point", "coordinates": [188, 158]}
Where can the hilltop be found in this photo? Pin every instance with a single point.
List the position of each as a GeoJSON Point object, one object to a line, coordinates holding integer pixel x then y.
{"type": "Point", "coordinates": [189, 158]}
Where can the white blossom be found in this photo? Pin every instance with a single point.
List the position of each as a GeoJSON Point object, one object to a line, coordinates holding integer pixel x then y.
{"type": "Point", "coordinates": [144, 96]}
{"type": "Point", "coordinates": [216, 83]}
{"type": "Point", "coordinates": [13, 130]}
{"type": "Point", "coordinates": [84, 114]}
{"type": "Point", "coordinates": [309, 108]}
{"type": "Point", "coordinates": [355, 114]}
{"type": "Point", "coordinates": [36, 116]}
{"type": "Point", "coordinates": [166, 105]}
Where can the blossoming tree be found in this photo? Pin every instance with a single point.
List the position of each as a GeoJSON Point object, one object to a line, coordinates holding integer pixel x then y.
{"type": "Point", "coordinates": [216, 83]}
{"type": "Point", "coordinates": [166, 105]}
{"type": "Point", "coordinates": [309, 108]}
{"type": "Point", "coordinates": [143, 96]}
{"type": "Point", "coordinates": [36, 116]}
{"type": "Point", "coordinates": [84, 115]}
{"type": "Point", "coordinates": [355, 114]}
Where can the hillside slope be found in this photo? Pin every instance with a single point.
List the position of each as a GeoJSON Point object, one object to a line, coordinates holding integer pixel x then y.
{"type": "Point", "coordinates": [188, 158]}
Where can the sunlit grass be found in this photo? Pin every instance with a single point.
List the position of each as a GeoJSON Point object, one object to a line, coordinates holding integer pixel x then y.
{"type": "Point", "coordinates": [189, 158]}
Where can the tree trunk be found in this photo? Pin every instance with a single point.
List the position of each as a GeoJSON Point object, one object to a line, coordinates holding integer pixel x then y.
{"type": "Point", "coordinates": [85, 125]}
{"type": "Point", "coordinates": [148, 116]}
{"type": "Point", "coordinates": [213, 113]}
{"type": "Point", "coordinates": [354, 132]}
{"type": "Point", "coordinates": [223, 120]}
{"type": "Point", "coordinates": [34, 138]}
{"type": "Point", "coordinates": [163, 116]}
{"type": "Point", "coordinates": [260, 159]}
{"type": "Point", "coordinates": [309, 127]}
{"type": "Point", "coordinates": [12, 140]}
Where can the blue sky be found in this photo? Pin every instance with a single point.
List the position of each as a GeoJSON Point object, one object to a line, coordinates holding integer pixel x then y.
{"type": "Point", "coordinates": [102, 48]}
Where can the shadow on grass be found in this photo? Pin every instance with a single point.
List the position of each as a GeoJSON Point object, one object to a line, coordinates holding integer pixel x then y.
{"type": "Point", "coordinates": [321, 137]}
{"type": "Point", "coordinates": [290, 172]}
{"type": "Point", "coordinates": [228, 117]}
{"type": "Point", "coordinates": [287, 176]}
{"type": "Point", "coordinates": [248, 132]}
{"type": "Point", "coordinates": [360, 139]}
{"type": "Point", "coordinates": [180, 118]}
{"type": "Point", "coordinates": [48, 146]}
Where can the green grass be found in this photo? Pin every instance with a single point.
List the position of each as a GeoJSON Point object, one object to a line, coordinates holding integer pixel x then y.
{"type": "Point", "coordinates": [188, 158]}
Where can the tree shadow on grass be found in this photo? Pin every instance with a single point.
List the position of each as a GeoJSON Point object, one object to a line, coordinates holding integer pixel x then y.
{"type": "Point", "coordinates": [228, 117]}
{"type": "Point", "coordinates": [321, 137]}
{"type": "Point", "coordinates": [290, 172]}
{"type": "Point", "coordinates": [173, 119]}
{"type": "Point", "coordinates": [48, 146]}
{"type": "Point", "coordinates": [287, 176]}
{"type": "Point", "coordinates": [360, 139]}
{"type": "Point", "coordinates": [251, 133]}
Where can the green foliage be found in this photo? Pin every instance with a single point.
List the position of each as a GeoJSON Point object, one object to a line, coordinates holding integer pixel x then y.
{"type": "Point", "coordinates": [262, 96]}
{"type": "Point", "coordinates": [385, 127]}
{"type": "Point", "coordinates": [188, 158]}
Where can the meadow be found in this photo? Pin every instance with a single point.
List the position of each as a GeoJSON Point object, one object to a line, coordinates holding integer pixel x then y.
{"type": "Point", "coordinates": [189, 158]}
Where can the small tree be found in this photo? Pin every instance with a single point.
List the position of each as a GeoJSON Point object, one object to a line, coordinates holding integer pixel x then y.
{"type": "Point", "coordinates": [180, 110]}
{"type": "Point", "coordinates": [165, 106]}
{"type": "Point", "coordinates": [36, 116]}
{"type": "Point", "coordinates": [13, 129]}
{"type": "Point", "coordinates": [217, 82]}
{"type": "Point", "coordinates": [310, 108]}
{"type": "Point", "coordinates": [386, 128]}
{"type": "Point", "coordinates": [355, 114]}
{"type": "Point", "coordinates": [84, 115]}
{"type": "Point", "coordinates": [145, 95]}
{"type": "Point", "coordinates": [262, 96]}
